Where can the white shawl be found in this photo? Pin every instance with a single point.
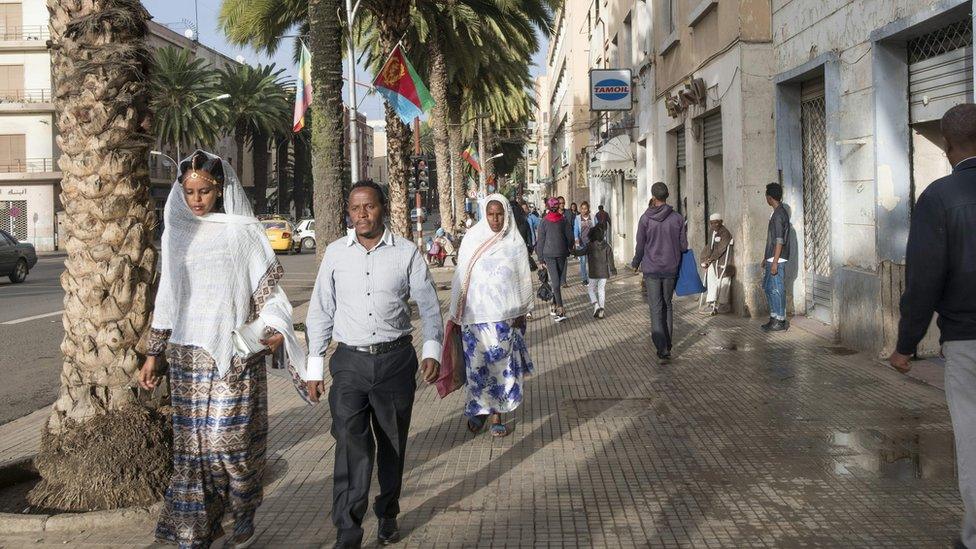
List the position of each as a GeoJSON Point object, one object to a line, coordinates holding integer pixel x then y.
{"type": "Point", "coordinates": [211, 268]}
{"type": "Point", "coordinates": [498, 280]}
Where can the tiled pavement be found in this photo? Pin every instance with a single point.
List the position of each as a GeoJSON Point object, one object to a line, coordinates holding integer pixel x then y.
{"type": "Point", "coordinates": [745, 440]}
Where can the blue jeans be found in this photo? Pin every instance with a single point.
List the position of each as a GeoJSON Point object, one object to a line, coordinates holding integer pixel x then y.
{"type": "Point", "coordinates": [584, 274]}
{"type": "Point", "coordinates": [775, 288]}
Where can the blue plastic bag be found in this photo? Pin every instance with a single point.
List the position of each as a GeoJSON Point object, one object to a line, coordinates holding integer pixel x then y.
{"type": "Point", "coordinates": [689, 282]}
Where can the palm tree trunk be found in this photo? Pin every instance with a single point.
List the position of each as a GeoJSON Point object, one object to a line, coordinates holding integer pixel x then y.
{"type": "Point", "coordinates": [327, 150]}
{"type": "Point", "coordinates": [259, 151]}
{"type": "Point", "coordinates": [281, 174]}
{"type": "Point", "coordinates": [438, 123]}
{"type": "Point", "coordinates": [490, 142]}
{"type": "Point", "coordinates": [98, 430]}
{"type": "Point", "coordinates": [239, 135]}
{"type": "Point", "coordinates": [457, 167]}
{"type": "Point", "coordinates": [393, 17]}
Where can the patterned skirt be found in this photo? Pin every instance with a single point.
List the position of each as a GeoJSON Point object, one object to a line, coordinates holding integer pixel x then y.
{"type": "Point", "coordinates": [220, 430]}
{"type": "Point", "coordinates": [495, 360]}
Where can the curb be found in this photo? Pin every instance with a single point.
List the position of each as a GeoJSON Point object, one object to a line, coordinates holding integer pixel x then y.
{"type": "Point", "coordinates": [13, 523]}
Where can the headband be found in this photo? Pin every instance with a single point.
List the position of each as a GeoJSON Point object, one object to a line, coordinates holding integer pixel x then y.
{"type": "Point", "coordinates": [201, 176]}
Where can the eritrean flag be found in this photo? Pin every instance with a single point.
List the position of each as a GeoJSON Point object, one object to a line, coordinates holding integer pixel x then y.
{"type": "Point", "coordinates": [402, 88]}
{"type": "Point", "coordinates": [472, 157]}
{"type": "Point", "coordinates": [303, 89]}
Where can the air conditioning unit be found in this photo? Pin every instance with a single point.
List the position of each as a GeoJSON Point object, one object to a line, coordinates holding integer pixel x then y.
{"type": "Point", "coordinates": [693, 93]}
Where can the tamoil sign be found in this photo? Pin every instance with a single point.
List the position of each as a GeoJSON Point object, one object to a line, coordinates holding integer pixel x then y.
{"type": "Point", "coordinates": [611, 90]}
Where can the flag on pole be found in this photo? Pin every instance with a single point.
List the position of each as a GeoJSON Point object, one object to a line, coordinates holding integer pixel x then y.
{"type": "Point", "coordinates": [303, 88]}
{"type": "Point", "coordinates": [472, 157]}
{"type": "Point", "coordinates": [402, 88]}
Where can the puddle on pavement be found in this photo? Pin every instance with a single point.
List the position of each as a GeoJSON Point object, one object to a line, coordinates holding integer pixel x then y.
{"type": "Point", "coordinates": [895, 456]}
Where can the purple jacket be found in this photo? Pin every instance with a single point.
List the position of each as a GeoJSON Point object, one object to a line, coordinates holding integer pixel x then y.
{"type": "Point", "coordinates": [661, 239]}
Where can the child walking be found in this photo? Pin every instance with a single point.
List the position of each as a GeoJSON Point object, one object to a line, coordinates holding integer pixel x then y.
{"type": "Point", "coordinates": [600, 266]}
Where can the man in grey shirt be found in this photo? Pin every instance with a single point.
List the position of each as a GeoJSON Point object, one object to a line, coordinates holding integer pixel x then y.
{"type": "Point", "coordinates": [360, 300]}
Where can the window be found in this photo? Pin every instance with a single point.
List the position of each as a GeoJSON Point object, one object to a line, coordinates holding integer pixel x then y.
{"type": "Point", "coordinates": [11, 82]}
{"type": "Point", "coordinates": [7, 239]}
{"type": "Point", "coordinates": [670, 16]}
{"type": "Point", "coordinates": [11, 21]}
{"type": "Point", "coordinates": [13, 156]}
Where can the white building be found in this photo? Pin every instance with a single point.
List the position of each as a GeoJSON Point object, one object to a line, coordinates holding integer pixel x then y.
{"type": "Point", "coordinates": [30, 182]}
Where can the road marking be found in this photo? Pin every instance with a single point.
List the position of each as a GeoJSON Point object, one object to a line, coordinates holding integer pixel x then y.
{"type": "Point", "coordinates": [29, 318]}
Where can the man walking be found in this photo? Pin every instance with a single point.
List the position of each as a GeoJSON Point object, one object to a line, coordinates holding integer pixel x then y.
{"type": "Point", "coordinates": [777, 254]}
{"type": "Point", "coordinates": [602, 216]}
{"type": "Point", "coordinates": [940, 264]}
{"type": "Point", "coordinates": [661, 239]}
{"type": "Point", "coordinates": [717, 261]}
{"type": "Point", "coordinates": [360, 300]}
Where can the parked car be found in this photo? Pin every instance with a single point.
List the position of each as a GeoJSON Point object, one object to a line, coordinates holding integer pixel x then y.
{"type": "Point", "coordinates": [16, 258]}
{"type": "Point", "coordinates": [304, 237]}
{"type": "Point", "coordinates": [279, 233]}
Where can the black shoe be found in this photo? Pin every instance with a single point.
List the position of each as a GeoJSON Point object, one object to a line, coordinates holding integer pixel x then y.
{"type": "Point", "coordinates": [388, 532]}
{"type": "Point", "coordinates": [777, 326]}
{"type": "Point", "coordinates": [340, 544]}
{"type": "Point", "coordinates": [767, 325]}
{"type": "Point", "coordinates": [664, 358]}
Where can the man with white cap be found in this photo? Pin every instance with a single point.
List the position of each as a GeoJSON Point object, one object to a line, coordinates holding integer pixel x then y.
{"type": "Point", "coordinates": [716, 259]}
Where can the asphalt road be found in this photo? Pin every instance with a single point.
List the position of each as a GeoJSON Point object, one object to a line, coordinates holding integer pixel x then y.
{"type": "Point", "coordinates": [30, 355]}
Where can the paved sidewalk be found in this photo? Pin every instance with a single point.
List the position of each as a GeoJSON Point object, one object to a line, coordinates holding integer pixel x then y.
{"type": "Point", "coordinates": [746, 440]}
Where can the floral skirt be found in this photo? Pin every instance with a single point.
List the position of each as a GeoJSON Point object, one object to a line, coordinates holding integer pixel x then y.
{"type": "Point", "coordinates": [220, 431]}
{"type": "Point", "coordinates": [495, 360]}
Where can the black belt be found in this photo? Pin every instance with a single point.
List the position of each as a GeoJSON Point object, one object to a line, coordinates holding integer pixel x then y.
{"type": "Point", "coordinates": [380, 348]}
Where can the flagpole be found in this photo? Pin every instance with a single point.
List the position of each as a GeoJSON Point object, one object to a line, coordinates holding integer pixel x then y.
{"type": "Point", "coordinates": [353, 102]}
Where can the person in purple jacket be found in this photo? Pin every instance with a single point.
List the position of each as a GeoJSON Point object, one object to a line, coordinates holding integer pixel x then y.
{"type": "Point", "coordinates": [661, 239]}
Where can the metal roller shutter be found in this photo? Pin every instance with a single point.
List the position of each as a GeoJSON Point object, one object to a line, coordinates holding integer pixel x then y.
{"type": "Point", "coordinates": [940, 71]}
{"type": "Point", "coordinates": [712, 135]}
{"type": "Point", "coordinates": [680, 135]}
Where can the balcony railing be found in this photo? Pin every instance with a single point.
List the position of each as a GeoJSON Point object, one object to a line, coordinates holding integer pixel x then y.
{"type": "Point", "coordinates": [39, 95]}
{"type": "Point", "coordinates": [27, 165]}
{"type": "Point", "coordinates": [30, 32]}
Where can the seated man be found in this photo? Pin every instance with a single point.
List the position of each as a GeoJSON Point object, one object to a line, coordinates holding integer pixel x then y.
{"type": "Point", "coordinates": [716, 259]}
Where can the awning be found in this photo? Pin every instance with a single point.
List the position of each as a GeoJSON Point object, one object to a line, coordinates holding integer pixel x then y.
{"type": "Point", "coordinates": [615, 156]}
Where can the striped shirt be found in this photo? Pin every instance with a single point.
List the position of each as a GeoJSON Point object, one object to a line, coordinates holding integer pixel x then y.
{"type": "Point", "coordinates": [360, 298]}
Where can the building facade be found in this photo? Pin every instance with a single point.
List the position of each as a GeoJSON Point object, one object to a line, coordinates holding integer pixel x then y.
{"type": "Point", "coordinates": [30, 181]}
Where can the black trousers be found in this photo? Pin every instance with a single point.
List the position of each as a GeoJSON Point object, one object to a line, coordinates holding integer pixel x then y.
{"type": "Point", "coordinates": [557, 275]}
{"type": "Point", "coordinates": [659, 294]}
{"type": "Point", "coordinates": [371, 401]}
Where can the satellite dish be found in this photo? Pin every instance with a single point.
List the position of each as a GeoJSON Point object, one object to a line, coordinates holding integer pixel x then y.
{"type": "Point", "coordinates": [188, 33]}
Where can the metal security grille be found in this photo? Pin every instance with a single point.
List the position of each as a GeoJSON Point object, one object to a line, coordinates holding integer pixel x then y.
{"type": "Point", "coordinates": [940, 71]}
{"type": "Point", "coordinates": [816, 200]}
{"type": "Point", "coordinates": [13, 218]}
{"type": "Point", "coordinates": [948, 38]}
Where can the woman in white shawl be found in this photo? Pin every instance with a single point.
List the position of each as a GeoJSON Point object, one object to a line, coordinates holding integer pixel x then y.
{"type": "Point", "coordinates": [218, 274]}
{"type": "Point", "coordinates": [491, 294]}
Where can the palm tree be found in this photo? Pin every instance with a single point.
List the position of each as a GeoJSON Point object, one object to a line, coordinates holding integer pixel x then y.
{"type": "Point", "coordinates": [257, 107]}
{"type": "Point", "coordinates": [262, 24]}
{"type": "Point", "coordinates": [177, 82]}
{"type": "Point", "coordinates": [101, 448]}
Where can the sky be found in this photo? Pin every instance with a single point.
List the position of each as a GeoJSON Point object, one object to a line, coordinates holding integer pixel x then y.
{"type": "Point", "coordinates": [179, 14]}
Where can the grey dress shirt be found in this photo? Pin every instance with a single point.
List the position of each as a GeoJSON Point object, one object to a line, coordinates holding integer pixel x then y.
{"type": "Point", "coordinates": [360, 298]}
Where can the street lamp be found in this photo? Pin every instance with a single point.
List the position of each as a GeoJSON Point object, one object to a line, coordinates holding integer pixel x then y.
{"type": "Point", "coordinates": [351, 11]}
{"type": "Point", "coordinates": [220, 97]}
{"type": "Point", "coordinates": [167, 157]}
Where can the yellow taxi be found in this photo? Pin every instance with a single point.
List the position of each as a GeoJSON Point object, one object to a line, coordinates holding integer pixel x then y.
{"type": "Point", "coordinates": [279, 233]}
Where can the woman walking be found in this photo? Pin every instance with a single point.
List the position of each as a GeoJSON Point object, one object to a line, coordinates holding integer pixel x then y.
{"type": "Point", "coordinates": [553, 245]}
{"type": "Point", "coordinates": [491, 295]}
{"type": "Point", "coordinates": [219, 275]}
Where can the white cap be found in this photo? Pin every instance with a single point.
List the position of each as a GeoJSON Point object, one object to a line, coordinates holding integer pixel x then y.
{"type": "Point", "coordinates": [715, 217]}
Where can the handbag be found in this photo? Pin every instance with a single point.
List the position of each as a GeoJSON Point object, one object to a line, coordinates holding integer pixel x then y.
{"type": "Point", "coordinates": [689, 281]}
{"type": "Point", "coordinates": [247, 338]}
{"type": "Point", "coordinates": [452, 375]}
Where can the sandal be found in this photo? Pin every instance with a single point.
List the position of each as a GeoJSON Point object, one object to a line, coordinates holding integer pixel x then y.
{"type": "Point", "coordinates": [499, 430]}
{"type": "Point", "coordinates": [476, 424]}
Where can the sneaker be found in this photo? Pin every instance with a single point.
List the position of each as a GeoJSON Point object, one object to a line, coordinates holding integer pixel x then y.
{"type": "Point", "coordinates": [777, 326]}
{"type": "Point", "coordinates": [586, 282]}
{"type": "Point", "coordinates": [664, 358]}
{"type": "Point", "coordinates": [596, 310]}
{"type": "Point", "coordinates": [559, 318]}
{"type": "Point", "coordinates": [600, 313]}
{"type": "Point", "coordinates": [765, 327]}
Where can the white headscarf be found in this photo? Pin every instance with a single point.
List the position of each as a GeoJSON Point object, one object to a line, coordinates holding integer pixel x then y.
{"type": "Point", "coordinates": [497, 278]}
{"type": "Point", "coordinates": [211, 268]}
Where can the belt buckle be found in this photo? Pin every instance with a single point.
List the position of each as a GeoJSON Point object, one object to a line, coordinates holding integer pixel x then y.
{"type": "Point", "coordinates": [374, 349]}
